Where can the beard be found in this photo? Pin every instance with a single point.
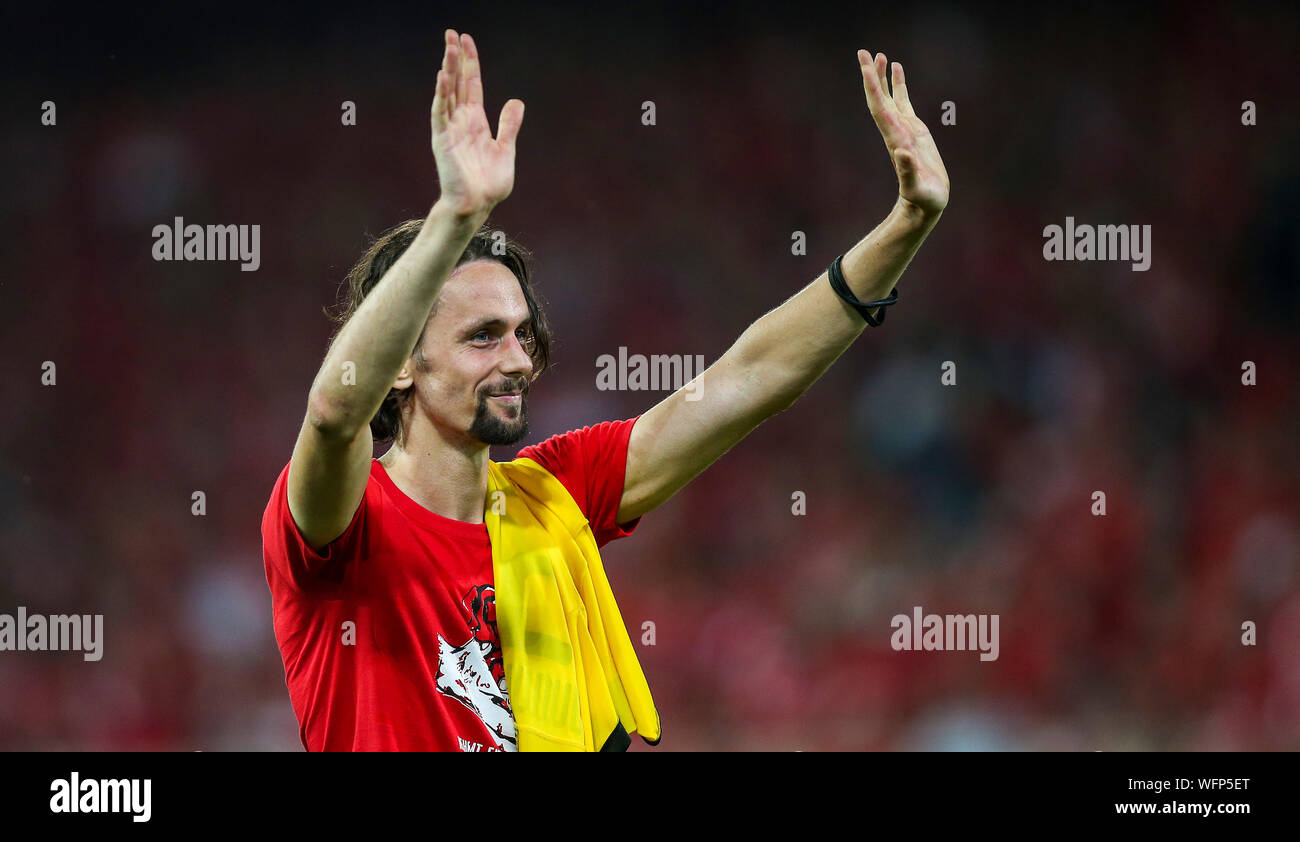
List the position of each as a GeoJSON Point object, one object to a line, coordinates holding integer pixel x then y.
{"type": "Point", "coordinates": [488, 428]}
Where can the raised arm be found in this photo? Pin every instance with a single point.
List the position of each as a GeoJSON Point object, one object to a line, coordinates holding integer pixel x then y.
{"type": "Point", "coordinates": [779, 356]}
{"type": "Point", "coordinates": [331, 460]}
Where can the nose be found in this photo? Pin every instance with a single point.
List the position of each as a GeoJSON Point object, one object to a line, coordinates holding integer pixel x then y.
{"type": "Point", "coordinates": [517, 363]}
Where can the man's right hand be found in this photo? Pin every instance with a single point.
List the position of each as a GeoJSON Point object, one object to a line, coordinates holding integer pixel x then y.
{"type": "Point", "coordinates": [475, 172]}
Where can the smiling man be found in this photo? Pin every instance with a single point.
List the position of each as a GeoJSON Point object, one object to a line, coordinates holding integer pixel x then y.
{"type": "Point", "coordinates": [432, 599]}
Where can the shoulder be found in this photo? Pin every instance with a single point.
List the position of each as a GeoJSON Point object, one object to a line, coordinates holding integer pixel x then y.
{"type": "Point", "coordinates": [279, 527]}
{"type": "Point", "coordinates": [594, 439]}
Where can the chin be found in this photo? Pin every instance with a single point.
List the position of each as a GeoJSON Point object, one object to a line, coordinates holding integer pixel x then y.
{"type": "Point", "coordinates": [507, 426]}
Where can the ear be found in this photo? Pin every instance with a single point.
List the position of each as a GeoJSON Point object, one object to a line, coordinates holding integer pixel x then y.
{"type": "Point", "coordinates": [404, 378]}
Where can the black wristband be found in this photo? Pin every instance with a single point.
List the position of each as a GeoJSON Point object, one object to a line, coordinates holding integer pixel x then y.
{"type": "Point", "coordinates": [864, 308]}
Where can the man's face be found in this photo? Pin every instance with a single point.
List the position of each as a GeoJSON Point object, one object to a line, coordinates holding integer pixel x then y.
{"type": "Point", "coordinates": [476, 347]}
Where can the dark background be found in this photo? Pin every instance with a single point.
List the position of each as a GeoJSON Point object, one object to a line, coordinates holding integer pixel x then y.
{"type": "Point", "coordinates": [773, 631]}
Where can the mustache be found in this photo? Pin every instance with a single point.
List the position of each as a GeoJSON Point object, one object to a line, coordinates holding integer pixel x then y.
{"type": "Point", "coordinates": [520, 386]}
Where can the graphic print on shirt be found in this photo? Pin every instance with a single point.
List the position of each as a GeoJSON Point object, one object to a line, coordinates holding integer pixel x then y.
{"type": "Point", "coordinates": [474, 673]}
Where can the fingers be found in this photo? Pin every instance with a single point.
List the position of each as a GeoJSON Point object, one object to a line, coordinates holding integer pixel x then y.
{"type": "Point", "coordinates": [472, 72]}
{"type": "Point", "coordinates": [462, 70]}
{"type": "Point", "coordinates": [438, 113]}
{"type": "Point", "coordinates": [900, 92]}
{"type": "Point", "coordinates": [444, 97]}
{"type": "Point", "coordinates": [881, 64]}
{"type": "Point", "coordinates": [451, 67]}
{"type": "Point", "coordinates": [512, 117]}
{"type": "Point", "coordinates": [460, 82]}
{"type": "Point", "coordinates": [877, 96]}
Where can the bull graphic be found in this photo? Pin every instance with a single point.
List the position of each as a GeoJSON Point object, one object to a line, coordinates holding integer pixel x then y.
{"type": "Point", "coordinates": [474, 673]}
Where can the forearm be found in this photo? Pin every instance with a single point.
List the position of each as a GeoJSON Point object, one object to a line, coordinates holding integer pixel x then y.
{"type": "Point", "coordinates": [779, 356]}
{"type": "Point", "coordinates": [785, 351]}
{"type": "Point", "coordinates": [381, 335]}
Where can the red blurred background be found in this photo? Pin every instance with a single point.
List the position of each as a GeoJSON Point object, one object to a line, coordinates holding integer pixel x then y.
{"type": "Point", "coordinates": [772, 630]}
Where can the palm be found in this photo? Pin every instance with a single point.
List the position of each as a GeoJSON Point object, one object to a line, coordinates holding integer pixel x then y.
{"type": "Point", "coordinates": [922, 178]}
{"type": "Point", "coordinates": [475, 171]}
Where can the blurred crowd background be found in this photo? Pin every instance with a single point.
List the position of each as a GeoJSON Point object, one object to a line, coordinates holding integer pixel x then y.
{"type": "Point", "coordinates": [1121, 632]}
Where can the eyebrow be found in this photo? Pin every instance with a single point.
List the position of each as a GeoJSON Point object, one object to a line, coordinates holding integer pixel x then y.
{"type": "Point", "coordinates": [484, 324]}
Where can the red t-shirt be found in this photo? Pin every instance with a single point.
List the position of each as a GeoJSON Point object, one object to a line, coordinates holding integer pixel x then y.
{"type": "Point", "coordinates": [389, 635]}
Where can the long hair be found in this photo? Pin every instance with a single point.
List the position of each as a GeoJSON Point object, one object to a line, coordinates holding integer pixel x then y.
{"type": "Point", "coordinates": [380, 256]}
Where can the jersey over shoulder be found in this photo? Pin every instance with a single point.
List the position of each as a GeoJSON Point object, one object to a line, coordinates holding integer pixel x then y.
{"type": "Point", "coordinates": [388, 634]}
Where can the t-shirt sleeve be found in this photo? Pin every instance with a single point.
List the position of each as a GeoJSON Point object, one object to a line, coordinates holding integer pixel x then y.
{"type": "Point", "coordinates": [288, 554]}
{"type": "Point", "coordinates": [591, 463]}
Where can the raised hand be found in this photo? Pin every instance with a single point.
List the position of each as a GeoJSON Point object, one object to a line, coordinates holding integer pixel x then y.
{"type": "Point", "coordinates": [922, 179]}
{"type": "Point", "coordinates": [475, 172]}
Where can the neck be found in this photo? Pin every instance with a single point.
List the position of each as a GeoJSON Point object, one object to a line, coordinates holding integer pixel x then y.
{"type": "Point", "coordinates": [446, 475]}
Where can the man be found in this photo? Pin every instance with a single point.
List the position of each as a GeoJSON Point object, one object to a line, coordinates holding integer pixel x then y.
{"type": "Point", "coordinates": [382, 570]}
